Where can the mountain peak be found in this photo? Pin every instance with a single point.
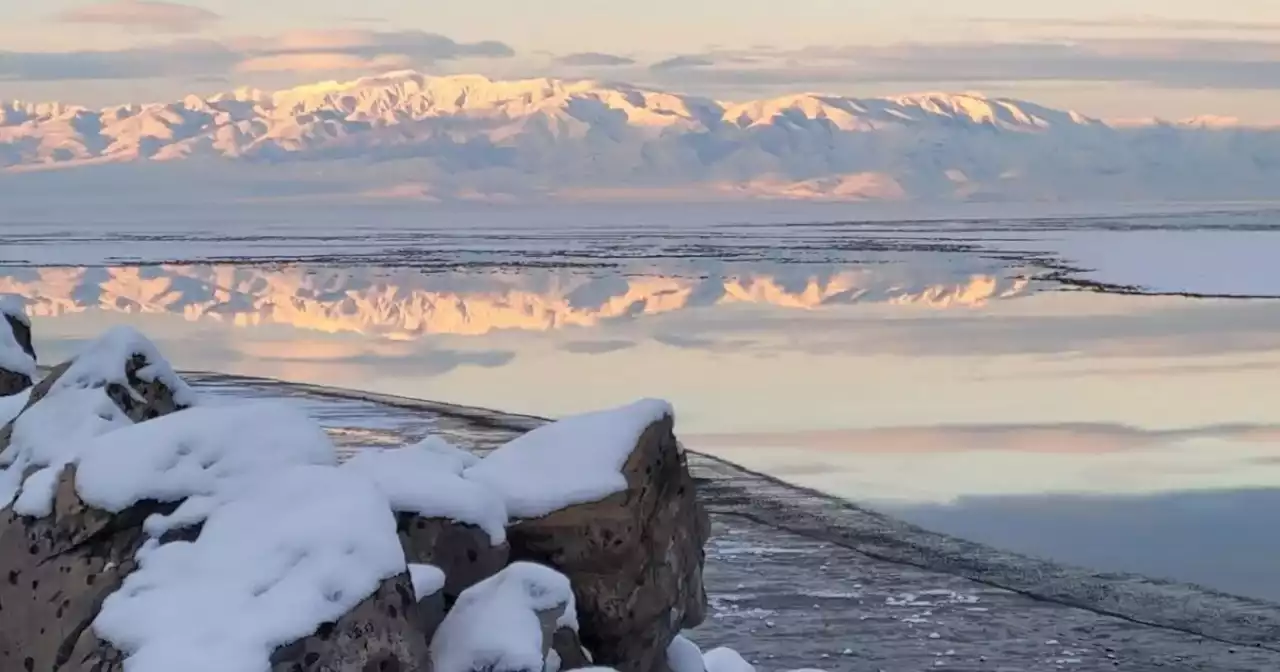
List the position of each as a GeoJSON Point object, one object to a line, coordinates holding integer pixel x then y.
{"type": "Point", "coordinates": [461, 135]}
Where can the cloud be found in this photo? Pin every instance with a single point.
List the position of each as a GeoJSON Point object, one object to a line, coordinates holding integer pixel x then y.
{"type": "Point", "coordinates": [181, 58]}
{"type": "Point", "coordinates": [1202, 63]}
{"type": "Point", "coordinates": [322, 61]}
{"type": "Point", "coordinates": [1129, 23]}
{"type": "Point", "coordinates": [683, 63]}
{"type": "Point", "coordinates": [332, 50]}
{"type": "Point", "coordinates": [162, 17]}
{"type": "Point", "coordinates": [369, 43]}
{"type": "Point", "coordinates": [596, 347]}
{"type": "Point", "coordinates": [593, 59]}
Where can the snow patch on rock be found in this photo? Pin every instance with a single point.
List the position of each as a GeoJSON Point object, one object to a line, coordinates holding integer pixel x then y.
{"type": "Point", "coordinates": [495, 624]}
{"type": "Point", "coordinates": [203, 455]}
{"type": "Point", "coordinates": [104, 362]}
{"type": "Point", "coordinates": [427, 580]}
{"type": "Point", "coordinates": [685, 656]}
{"type": "Point", "coordinates": [49, 435]}
{"type": "Point", "coordinates": [425, 481]}
{"type": "Point", "coordinates": [12, 405]}
{"type": "Point", "coordinates": [269, 567]}
{"type": "Point", "coordinates": [726, 660]}
{"type": "Point", "coordinates": [577, 460]}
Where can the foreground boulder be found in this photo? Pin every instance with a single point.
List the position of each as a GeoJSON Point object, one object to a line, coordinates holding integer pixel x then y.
{"type": "Point", "coordinates": [58, 570]}
{"type": "Point", "coordinates": [607, 499]}
{"type": "Point", "coordinates": [60, 557]}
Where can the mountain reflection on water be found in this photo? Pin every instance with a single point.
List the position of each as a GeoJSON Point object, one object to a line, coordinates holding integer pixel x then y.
{"type": "Point", "coordinates": [402, 304]}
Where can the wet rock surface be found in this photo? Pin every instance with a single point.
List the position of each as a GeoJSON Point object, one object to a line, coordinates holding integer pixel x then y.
{"type": "Point", "coordinates": [799, 580]}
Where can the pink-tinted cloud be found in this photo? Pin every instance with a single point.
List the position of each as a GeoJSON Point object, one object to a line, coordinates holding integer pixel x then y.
{"type": "Point", "coordinates": [311, 51]}
{"type": "Point", "coordinates": [154, 15]}
{"type": "Point", "coordinates": [323, 61]}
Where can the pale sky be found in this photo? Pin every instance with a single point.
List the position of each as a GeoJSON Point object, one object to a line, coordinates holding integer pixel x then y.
{"type": "Point", "coordinates": [1109, 58]}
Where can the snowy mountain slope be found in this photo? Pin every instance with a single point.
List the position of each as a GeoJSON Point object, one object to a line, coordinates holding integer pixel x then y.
{"type": "Point", "coordinates": [447, 137]}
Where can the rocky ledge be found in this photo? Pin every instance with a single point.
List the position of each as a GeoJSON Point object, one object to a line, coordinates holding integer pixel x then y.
{"type": "Point", "coordinates": [148, 528]}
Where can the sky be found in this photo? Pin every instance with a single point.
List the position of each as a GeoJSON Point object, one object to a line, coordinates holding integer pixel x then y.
{"type": "Point", "coordinates": [1109, 58]}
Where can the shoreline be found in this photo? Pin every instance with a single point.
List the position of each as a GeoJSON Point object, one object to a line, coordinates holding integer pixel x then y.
{"type": "Point", "coordinates": [733, 492]}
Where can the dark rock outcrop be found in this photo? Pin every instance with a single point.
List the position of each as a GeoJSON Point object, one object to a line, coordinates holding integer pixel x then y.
{"type": "Point", "coordinates": [431, 611]}
{"type": "Point", "coordinates": [464, 553]}
{"type": "Point", "coordinates": [566, 644]}
{"type": "Point", "coordinates": [21, 333]}
{"type": "Point", "coordinates": [635, 559]}
{"type": "Point", "coordinates": [13, 382]}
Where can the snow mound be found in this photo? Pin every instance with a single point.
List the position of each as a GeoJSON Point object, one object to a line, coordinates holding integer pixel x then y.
{"type": "Point", "coordinates": [12, 356]}
{"type": "Point", "coordinates": [495, 624]}
{"type": "Point", "coordinates": [426, 482]}
{"type": "Point", "coordinates": [684, 656]}
{"type": "Point", "coordinates": [12, 405]}
{"type": "Point", "coordinates": [576, 460]}
{"type": "Point", "coordinates": [459, 458]}
{"type": "Point", "coordinates": [14, 307]}
{"type": "Point", "coordinates": [103, 363]}
{"type": "Point", "coordinates": [427, 580]}
{"type": "Point", "coordinates": [289, 554]}
{"type": "Point", "coordinates": [204, 455]}
{"type": "Point", "coordinates": [726, 660]}
{"type": "Point", "coordinates": [46, 437]}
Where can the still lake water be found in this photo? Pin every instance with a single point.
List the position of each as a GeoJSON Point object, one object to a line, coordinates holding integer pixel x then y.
{"type": "Point", "coordinates": [949, 371]}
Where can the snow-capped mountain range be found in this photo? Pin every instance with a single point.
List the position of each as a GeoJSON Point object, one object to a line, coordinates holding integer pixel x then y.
{"type": "Point", "coordinates": [409, 135]}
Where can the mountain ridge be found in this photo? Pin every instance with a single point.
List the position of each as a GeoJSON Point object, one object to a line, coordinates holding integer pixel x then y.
{"type": "Point", "coordinates": [440, 138]}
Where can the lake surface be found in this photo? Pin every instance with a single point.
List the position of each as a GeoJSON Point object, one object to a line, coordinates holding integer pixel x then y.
{"type": "Point", "coordinates": [957, 372]}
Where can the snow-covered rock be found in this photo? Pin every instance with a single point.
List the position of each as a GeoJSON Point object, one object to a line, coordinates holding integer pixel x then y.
{"type": "Point", "coordinates": [577, 460]}
{"type": "Point", "coordinates": [444, 520]}
{"type": "Point", "coordinates": [269, 567]}
{"type": "Point", "coordinates": [607, 499]}
{"type": "Point", "coordinates": [427, 482]}
{"type": "Point", "coordinates": [506, 622]}
{"type": "Point", "coordinates": [147, 532]}
{"type": "Point", "coordinates": [71, 555]}
{"type": "Point", "coordinates": [117, 380]}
